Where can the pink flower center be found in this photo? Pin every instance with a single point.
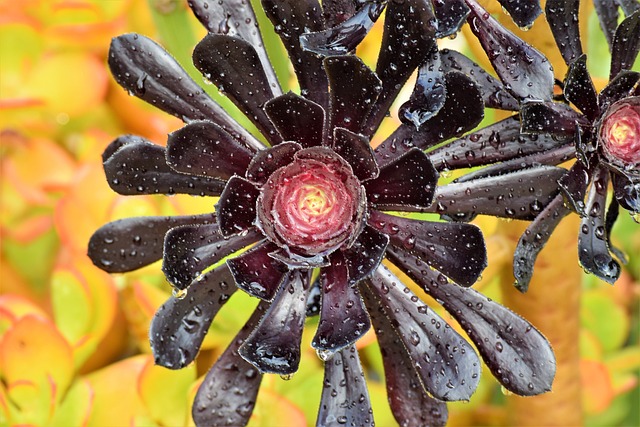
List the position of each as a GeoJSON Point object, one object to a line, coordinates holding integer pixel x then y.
{"type": "Point", "coordinates": [312, 205]}
{"type": "Point", "coordinates": [620, 131]}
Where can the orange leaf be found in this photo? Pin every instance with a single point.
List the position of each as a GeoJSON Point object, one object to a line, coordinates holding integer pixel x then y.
{"type": "Point", "coordinates": [597, 389]}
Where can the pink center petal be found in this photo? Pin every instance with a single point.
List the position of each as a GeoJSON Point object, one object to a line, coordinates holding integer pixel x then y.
{"type": "Point", "coordinates": [620, 132]}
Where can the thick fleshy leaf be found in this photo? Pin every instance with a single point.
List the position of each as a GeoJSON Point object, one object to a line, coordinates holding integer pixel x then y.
{"type": "Point", "coordinates": [205, 149]}
{"type": "Point", "coordinates": [523, 12]}
{"type": "Point", "coordinates": [562, 16]}
{"type": "Point", "coordinates": [180, 325]}
{"type": "Point", "coordinates": [190, 249]}
{"type": "Point", "coordinates": [139, 166]}
{"type": "Point", "coordinates": [517, 195]}
{"type": "Point", "coordinates": [627, 192]}
{"type": "Point", "coordinates": [131, 243]}
{"type": "Point", "coordinates": [446, 364]}
{"type": "Point", "coordinates": [534, 239]}
{"type": "Point", "coordinates": [297, 119]}
{"type": "Point", "coordinates": [626, 45]}
{"type": "Point", "coordinates": [345, 398]}
{"type": "Point", "coordinates": [337, 11]}
{"type": "Point", "coordinates": [314, 300]}
{"type": "Point", "coordinates": [257, 273]}
{"type": "Point", "coordinates": [229, 391]}
{"type": "Point", "coordinates": [356, 150]}
{"type": "Point", "coordinates": [579, 89]}
{"type": "Point", "coordinates": [618, 88]}
{"type": "Point", "coordinates": [407, 183]}
{"type": "Point", "coordinates": [234, 66]}
{"type": "Point", "coordinates": [274, 345]}
{"type": "Point", "coordinates": [354, 89]}
{"type": "Point", "coordinates": [366, 253]}
{"type": "Point", "coordinates": [235, 18]}
{"type": "Point", "coordinates": [593, 248]}
{"type": "Point", "coordinates": [574, 187]}
{"type": "Point", "coordinates": [463, 100]}
{"type": "Point", "coordinates": [292, 18]}
{"type": "Point", "coordinates": [428, 95]}
{"type": "Point", "coordinates": [456, 250]}
{"type": "Point", "coordinates": [268, 161]}
{"type": "Point", "coordinates": [147, 71]}
{"type": "Point", "coordinates": [526, 73]}
{"type": "Point", "coordinates": [343, 318]}
{"type": "Point", "coordinates": [629, 7]}
{"type": "Point", "coordinates": [493, 91]}
{"type": "Point", "coordinates": [450, 16]}
{"type": "Point", "coordinates": [408, 37]}
{"type": "Point", "coordinates": [610, 220]}
{"type": "Point", "coordinates": [236, 209]}
{"type": "Point", "coordinates": [346, 36]}
{"type": "Point", "coordinates": [498, 142]}
{"type": "Point", "coordinates": [518, 355]}
{"type": "Point", "coordinates": [607, 12]}
{"type": "Point", "coordinates": [410, 404]}
{"type": "Point", "coordinates": [550, 117]}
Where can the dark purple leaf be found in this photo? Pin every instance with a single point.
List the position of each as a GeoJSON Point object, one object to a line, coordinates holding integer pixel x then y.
{"type": "Point", "coordinates": [190, 249]}
{"type": "Point", "coordinates": [579, 89]}
{"type": "Point", "coordinates": [550, 117]}
{"type": "Point", "coordinates": [526, 73]}
{"type": "Point", "coordinates": [297, 119]}
{"type": "Point", "coordinates": [450, 16]}
{"type": "Point", "coordinates": [366, 253]}
{"type": "Point", "coordinates": [493, 91]}
{"type": "Point", "coordinates": [618, 88]}
{"type": "Point", "coordinates": [131, 243]}
{"type": "Point", "coordinates": [236, 209]}
{"type": "Point", "coordinates": [180, 325]}
{"type": "Point", "coordinates": [345, 398]}
{"type": "Point", "coordinates": [257, 273]}
{"type": "Point", "coordinates": [517, 354]}
{"type": "Point", "coordinates": [229, 391]}
{"type": "Point", "coordinates": [146, 70]}
{"type": "Point", "coordinates": [629, 7]}
{"type": "Point", "coordinates": [610, 219]}
{"type": "Point", "coordinates": [407, 183]}
{"type": "Point", "coordinates": [456, 250]}
{"type": "Point", "coordinates": [562, 16]}
{"type": "Point", "coordinates": [446, 364]}
{"type": "Point", "coordinates": [498, 142]}
{"type": "Point", "coordinates": [593, 248]}
{"type": "Point", "coordinates": [354, 89]}
{"type": "Point", "coordinates": [517, 195]}
{"type": "Point", "coordinates": [295, 261]}
{"type": "Point", "coordinates": [205, 149]}
{"type": "Point", "coordinates": [139, 166]}
{"type": "Point", "coordinates": [235, 18]}
{"type": "Point", "coordinates": [337, 11]}
{"type": "Point", "coordinates": [408, 37]}
{"type": "Point", "coordinates": [291, 19]}
{"type": "Point", "coordinates": [343, 318]}
{"type": "Point", "coordinates": [314, 300]}
{"type": "Point", "coordinates": [428, 95]}
{"type": "Point", "coordinates": [523, 12]}
{"type": "Point", "coordinates": [234, 66]}
{"type": "Point", "coordinates": [607, 12]}
{"type": "Point", "coordinates": [410, 404]}
{"type": "Point", "coordinates": [574, 187]}
{"type": "Point", "coordinates": [626, 45]}
{"type": "Point", "coordinates": [346, 36]}
{"type": "Point", "coordinates": [356, 150]}
{"type": "Point", "coordinates": [268, 161]}
{"type": "Point", "coordinates": [462, 111]}
{"type": "Point", "coordinates": [627, 192]}
{"type": "Point", "coordinates": [274, 345]}
{"type": "Point", "coordinates": [534, 239]}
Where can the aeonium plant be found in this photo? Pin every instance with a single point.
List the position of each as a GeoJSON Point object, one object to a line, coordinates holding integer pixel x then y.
{"type": "Point", "coordinates": [312, 208]}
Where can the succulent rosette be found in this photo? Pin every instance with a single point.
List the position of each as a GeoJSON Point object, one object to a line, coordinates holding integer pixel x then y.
{"type": "Point", "coordinates": [600, 130]}
{"type": "Point", "coordinates": [314, 200]}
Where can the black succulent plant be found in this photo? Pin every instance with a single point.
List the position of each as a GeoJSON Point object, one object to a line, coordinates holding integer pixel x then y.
{"type": "Point", "coordinates": [547, 131]}
{"type": "Point", "coordinates": [316, 198]}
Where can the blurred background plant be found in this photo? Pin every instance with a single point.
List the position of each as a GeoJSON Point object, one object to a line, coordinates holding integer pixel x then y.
{"type": "Point", "coordinates": [73, 340]}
